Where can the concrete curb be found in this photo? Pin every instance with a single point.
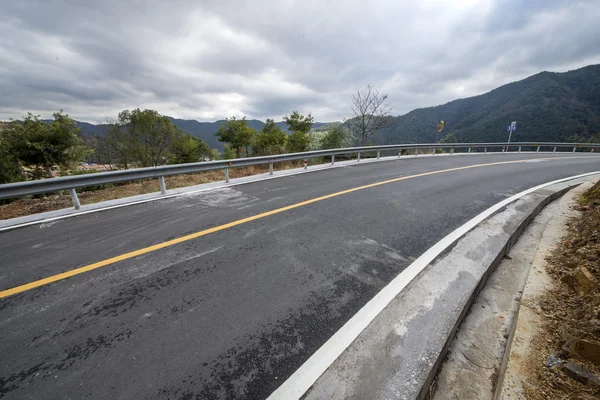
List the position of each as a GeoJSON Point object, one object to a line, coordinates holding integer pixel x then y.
{"type": "Point", "coordinates": [506, 356]}
{"type": "Point", "coordinates": [399, 353]}
{"type": "Point", "coordinates": [472, 363]}
{"type": "Point", "coordinates": [538, 282]}
{"type": "Point", "coordinates": [553, 195]}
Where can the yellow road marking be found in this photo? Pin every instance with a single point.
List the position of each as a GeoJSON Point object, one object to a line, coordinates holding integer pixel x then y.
{"type": "Point", "coordinates": [145, 250]}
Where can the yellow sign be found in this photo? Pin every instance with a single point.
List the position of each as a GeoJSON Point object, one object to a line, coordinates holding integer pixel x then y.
{"type": "Point", "coordinates": [441, 125]}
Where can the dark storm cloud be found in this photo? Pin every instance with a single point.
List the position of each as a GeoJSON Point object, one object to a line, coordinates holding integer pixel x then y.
{"type": "Point", "coordinates": [212, 59]}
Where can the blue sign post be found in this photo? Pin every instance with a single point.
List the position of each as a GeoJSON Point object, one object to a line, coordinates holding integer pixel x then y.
{"type": "Point", "coordinates": [512, 127]}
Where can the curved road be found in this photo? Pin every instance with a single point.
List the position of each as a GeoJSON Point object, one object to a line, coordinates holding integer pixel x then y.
{"type": "Point", "coordinates": [230, 312]}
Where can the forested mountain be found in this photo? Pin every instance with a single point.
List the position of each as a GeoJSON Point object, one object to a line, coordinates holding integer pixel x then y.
{"type": "Point", "coordinates": [91, 129]}
{"type": "Point", "coordinates": [547, 106]}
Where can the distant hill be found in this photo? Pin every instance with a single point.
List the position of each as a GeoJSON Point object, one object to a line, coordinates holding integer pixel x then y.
{"type": "Point", "coordinates": [91, 129]}
{"type": "Point", "coordinates": [203, 130]}
{"type": "Point", "coordinates": [206, 130]}
{"type": "Point", "coordinates": [87, 129]}
{"type": "Point", "coordinates": [548, 106]}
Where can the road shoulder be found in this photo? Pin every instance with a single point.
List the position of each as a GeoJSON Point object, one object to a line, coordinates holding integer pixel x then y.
{"type": "Point", "coordinates": [398, 354]}
{"type": "Point", "coordinates": [555, 353]}
{"type": "Point", "coordinates": [475, 360]}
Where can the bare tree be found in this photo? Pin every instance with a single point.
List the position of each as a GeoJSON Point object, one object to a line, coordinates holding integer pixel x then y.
{"type": "Point", "coordinates": [370, 113]}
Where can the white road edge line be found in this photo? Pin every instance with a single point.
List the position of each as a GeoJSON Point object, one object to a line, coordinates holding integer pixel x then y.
{"type": "Point", "coordinates": [316, 168]}
{"type": "Point", "coordinates": [308, 373]}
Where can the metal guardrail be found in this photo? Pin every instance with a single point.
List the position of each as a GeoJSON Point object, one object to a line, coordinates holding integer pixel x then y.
{"type": "Point", "coordinates": [71, 183]}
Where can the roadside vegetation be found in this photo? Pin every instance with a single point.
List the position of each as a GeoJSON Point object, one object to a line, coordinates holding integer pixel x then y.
{"type": "Point", "coordinates": [34, 148]}
{"type": "Point", "coordinates": [39, 149]}
{"type": "Point", "coordinates": [56, 201]}
{"type": "Point", "coordinates": [565, 357]}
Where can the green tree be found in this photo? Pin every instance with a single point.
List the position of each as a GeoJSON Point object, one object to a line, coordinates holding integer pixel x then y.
{"type": "Point", "coordinates": [300, 125]}
{"type": "Point", "coordinates": [298, 122]}
{"type": "Point", "coordinates": [246, 137]}
{"type": "Point", "coordinates": [228, 152]}
{"type": "Point", "coordinates": [334, 138]}
{"type": "Point", "coordinates": [45, 145]}
{"type": "Point", "coordinates": [298, 142]}
{"type": "Point", "coordinates": [451, 138]}
{"type": "Point", "coordinates": [104, 153]}
{"type": "Point", "coordinates": [595, 138]}
{"type": "Point", "coordinates": [145, 135]}
{"type": "Point", "coordinates": [214, 154]}
{"type": "Point", "coordinates": [237, 134]}
{"type": "Point", "coordinates": [186, 149]}
{"type": "Point", "coordinates": [270, 140]}
{"type": "Point", "coordinates": [578, 139]}
{"type": "Point", "coordinates": [10, 168]}
{"type": "Point", "coordinates": [116, 146]}
{"type": "Point", "coordinates": [146, 138]}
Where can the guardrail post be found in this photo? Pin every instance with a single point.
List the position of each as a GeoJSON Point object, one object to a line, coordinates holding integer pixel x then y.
{"type": "Point", "coordinates": [574, 148]}
{"type": "Point", "coordinates": [538, 149]}
{"type": "Point", "coordinates": [554, 151]}
{"type": "Point", "coordinates": [485, 149]}
{"type": "Point", "coordinates": [163, 186]}
{"type": "Point", "coordinates": [519, 149]}
{"type": "Point", "coordinates": [470, 149]}
{"type": "Point", "coordinates": [416, 152]}
{"type": "Point", "coordinates": [378, 154]}
{"type": "Point", "coordinates": [332, 159]}
{"type": "Point", "coordinates": [305, 164]}
{"type": "Point", "coordinates": [226, 175]}
{"type": "Point", "coordinates": [75, 199]}
{"type": "Point", "coordinates": [358, 158]}
{"type": "Point", "coordinates": [270, 168]}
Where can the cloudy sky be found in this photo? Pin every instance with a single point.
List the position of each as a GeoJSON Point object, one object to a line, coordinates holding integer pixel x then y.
{"type": "Point", "coordinates": [209, 59]}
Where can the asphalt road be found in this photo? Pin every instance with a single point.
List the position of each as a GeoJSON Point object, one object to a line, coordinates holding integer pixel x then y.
{"type": "Point", "coordinates": [233, 313]}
